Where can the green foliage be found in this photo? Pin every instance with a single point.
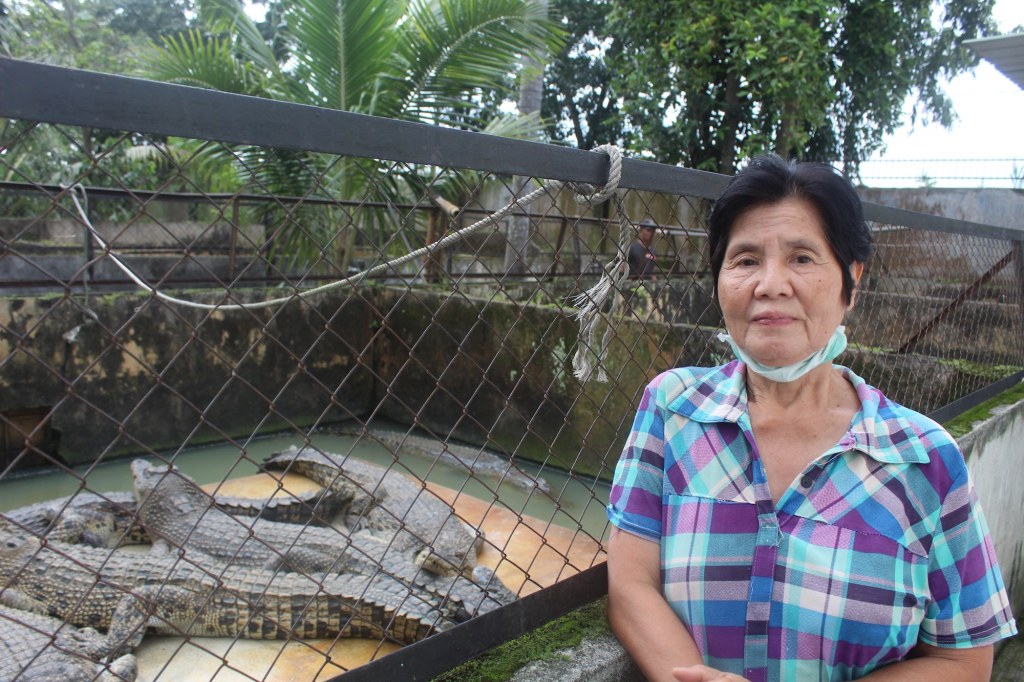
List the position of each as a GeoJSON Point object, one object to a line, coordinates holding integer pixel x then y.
{"type": "Point", "coordinates": [411, 60]}
{"type": "Point", "coordinates": [100, 35]}
{"type": "Point", "coordinates": [150, 18]}
{"type": "Point", "coordinates": [436, 62]}
{"type": "Point", "coordinates": [6, 28]}
{"type": "Point", "coordinates": [980, 369]}
{"type": "Point", "coordinates": [709, 82]}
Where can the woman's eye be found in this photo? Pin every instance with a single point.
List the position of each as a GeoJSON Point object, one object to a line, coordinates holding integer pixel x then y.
{"type": "Point", "coordinates": [804, 259]}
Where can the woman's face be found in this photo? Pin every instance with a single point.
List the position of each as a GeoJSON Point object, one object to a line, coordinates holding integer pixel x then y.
{"type": "Point", "coordinates": [780, 286]}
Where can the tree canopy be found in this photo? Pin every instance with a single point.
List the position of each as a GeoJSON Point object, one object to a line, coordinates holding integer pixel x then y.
{"type": "Point", "coordinates": [580, 104]}
{"type": "Point", "coordinates": [101, 35]}
{"type": "Point", "coordinates": [418, 60]}
{"type": "Point", "coordinates": [709, 82]}
{"type": "Point", "coordinates": [448, 62]}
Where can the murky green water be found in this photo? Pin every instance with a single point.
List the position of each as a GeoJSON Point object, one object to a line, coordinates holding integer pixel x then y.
{"type": "Point", "coordinates": [571, 499]}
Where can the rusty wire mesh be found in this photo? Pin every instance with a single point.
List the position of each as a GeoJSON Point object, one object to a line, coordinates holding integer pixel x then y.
{"type": "Point", "coordinates": [441, 391]}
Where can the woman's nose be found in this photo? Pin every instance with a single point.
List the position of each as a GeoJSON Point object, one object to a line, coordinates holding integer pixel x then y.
{"type": "Point", "coordinates": [773, 280]}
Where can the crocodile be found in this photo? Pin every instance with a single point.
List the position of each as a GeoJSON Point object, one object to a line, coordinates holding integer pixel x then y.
{"type": "Point", "coordinates": [44, 649]}
{"type": "Point", "coordinates": [126, 594]}
{"type": "Point", "coordinates": [95, 519]}
{"type": "Point", "coordinates": [179, 513]}
{"type": "Point", "coordinates": [391, 505]}
{"type": "Point", "coordinates": [110, 519]}
{"type": "Point", "coordinates": [476, 461]}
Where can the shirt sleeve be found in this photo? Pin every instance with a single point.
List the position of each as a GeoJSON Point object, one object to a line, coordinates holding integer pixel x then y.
{"type": "Point", "coordinates": [635, 259]}
{"type": "Point", "coordinates": [969, 605]}
{"type": "Point", "coordinates": [635, 503]}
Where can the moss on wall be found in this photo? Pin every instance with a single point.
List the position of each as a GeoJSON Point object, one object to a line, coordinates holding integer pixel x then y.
{"type": "Point", "coordinates": [537, 645]}
{"type": "Point", "coordinates": [500, 373]}
{"type": "Point", "coordinates": [962, 424]}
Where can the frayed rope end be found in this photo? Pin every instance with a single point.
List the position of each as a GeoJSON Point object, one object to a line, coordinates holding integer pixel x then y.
{"type": "Point", "coordinates": [590, 304]}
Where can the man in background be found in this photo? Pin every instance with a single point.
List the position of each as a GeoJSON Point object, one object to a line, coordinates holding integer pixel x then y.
{"type": "Point", "coordinates": [641, 256]}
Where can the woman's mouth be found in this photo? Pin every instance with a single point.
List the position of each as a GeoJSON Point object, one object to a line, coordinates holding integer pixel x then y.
{"type": "Point", "coordinates": [772, 319]}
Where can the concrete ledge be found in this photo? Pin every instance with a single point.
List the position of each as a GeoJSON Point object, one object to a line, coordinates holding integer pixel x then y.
{"type": "Point", "coordinates": [596, 659]}
{"type": "Point", "coordinates": [1009, 665]}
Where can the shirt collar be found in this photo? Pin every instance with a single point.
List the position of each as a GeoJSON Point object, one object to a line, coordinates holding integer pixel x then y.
{"type": "Point", "coordinates": [720, 395]}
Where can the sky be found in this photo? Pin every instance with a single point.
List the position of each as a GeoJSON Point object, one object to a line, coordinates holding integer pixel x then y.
{"type": "Point", "coordinates": [989, 106]}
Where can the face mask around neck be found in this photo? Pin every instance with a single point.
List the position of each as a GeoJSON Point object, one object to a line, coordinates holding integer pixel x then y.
{"type": "Point", "coordinates": [835, 346]}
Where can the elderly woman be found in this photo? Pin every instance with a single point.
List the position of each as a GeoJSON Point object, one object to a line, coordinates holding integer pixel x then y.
{"type": "Point", "coordinates": [776, 518]}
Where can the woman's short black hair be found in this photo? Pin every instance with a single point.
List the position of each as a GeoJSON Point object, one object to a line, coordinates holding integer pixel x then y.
{"type": "Point", "coordinates": [770, 179]}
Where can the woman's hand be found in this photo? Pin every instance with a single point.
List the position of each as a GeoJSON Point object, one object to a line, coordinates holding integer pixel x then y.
{"type": "Point", "coordinates": [702, 673]}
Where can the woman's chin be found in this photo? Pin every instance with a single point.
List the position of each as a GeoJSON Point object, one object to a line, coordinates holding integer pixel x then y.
{"type": "Point", "coordinates": [778, 360]}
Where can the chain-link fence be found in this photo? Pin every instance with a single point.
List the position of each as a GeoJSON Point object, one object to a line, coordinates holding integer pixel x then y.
{"type": "Point", "coordinates": [1005, 172]}
{"type": "Point", "coordinates": [363, 456]}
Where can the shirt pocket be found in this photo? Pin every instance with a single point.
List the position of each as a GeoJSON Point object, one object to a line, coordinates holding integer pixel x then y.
{"type": "Point", "coordinates": [701, 531]}
{"type": "Point", "coordinates": [863, 595]}
{"type": "Point", "coordinates": [707, 550]}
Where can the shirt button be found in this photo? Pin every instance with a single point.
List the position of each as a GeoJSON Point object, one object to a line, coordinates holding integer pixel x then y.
{"type": "Point", "coordinates": [806, 481]}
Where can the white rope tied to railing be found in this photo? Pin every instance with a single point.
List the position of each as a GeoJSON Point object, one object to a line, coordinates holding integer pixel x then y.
{"type": "Point", "coordinates": [589, 303]}
{"type": "Point", "coordinates": [349, 281]}
{"type": "Point", "coordinates": [591, 352]}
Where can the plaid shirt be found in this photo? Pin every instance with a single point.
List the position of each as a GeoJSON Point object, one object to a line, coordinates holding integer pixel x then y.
{"type": "Point", "coordinates": [879, 545]}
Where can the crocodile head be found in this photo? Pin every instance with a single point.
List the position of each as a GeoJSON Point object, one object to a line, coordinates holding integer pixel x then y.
{"type": "Point", "coordinates": [449, 554]}
{"type": "Point", "coordinates": [429, 560]}
{"type": "Point", "coordinates": [17, 548]}
{"type": "Point", "coordinates": [164, 490]}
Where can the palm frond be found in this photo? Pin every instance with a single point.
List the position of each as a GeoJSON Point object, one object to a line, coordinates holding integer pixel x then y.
{"type": "Point", "coordinates": [202, 61]}
{"type": "Point", "coordinates": [455, 47]}
{"type": "Point", "coordinates": [340, 49]}
{"type": "Point", "coordinates": [520, 127]}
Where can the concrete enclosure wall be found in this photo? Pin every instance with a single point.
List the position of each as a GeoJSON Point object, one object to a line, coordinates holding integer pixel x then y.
{"type": "Point", "coordinates": [127, 382]}
{"type": "Point", "coordinates": [995, 457]}
{"type": "Point", "coordinates": [481, 370]}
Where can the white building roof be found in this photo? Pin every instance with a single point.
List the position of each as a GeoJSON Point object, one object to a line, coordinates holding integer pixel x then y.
{"type": "Point", "coordinates": [1005, 52]}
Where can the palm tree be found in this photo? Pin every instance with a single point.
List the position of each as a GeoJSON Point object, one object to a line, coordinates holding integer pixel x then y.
{"type": "Point", "coordinates": [445, 62]}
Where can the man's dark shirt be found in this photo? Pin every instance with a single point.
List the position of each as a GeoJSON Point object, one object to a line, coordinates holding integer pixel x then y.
{"type": "Point", "coordinates": [641, 261]}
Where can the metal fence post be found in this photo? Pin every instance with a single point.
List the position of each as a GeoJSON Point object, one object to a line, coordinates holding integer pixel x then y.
{"type": "Point", "coordinates": [1018, 249]}
{"type": "Point", "coordinates": [235, 211]}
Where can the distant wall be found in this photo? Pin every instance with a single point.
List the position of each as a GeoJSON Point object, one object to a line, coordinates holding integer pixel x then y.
{"type": "Point", "coordinates": [1003, 207]}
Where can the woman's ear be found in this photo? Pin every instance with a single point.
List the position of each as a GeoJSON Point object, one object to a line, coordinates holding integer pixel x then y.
{"type": "Point", "coordinates": [856, 271]}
